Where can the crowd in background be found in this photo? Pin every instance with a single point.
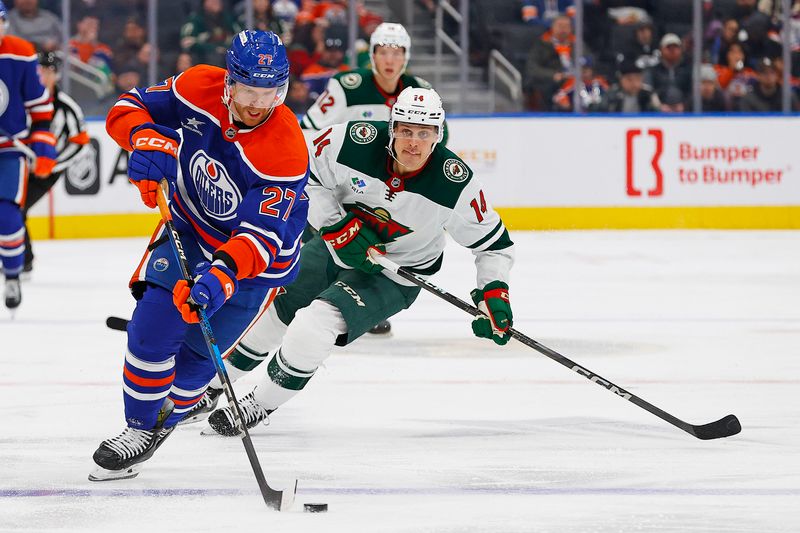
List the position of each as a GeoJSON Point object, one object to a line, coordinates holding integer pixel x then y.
{"type": "Point", "coordinates": [637, 53]}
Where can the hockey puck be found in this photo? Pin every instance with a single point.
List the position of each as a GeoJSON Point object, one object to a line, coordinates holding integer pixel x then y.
{"type": "Point", "coordinates": [315, 507]}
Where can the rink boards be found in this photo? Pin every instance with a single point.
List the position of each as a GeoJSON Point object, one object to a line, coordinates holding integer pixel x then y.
{"type": "Point", "coordinates": [540, 172]}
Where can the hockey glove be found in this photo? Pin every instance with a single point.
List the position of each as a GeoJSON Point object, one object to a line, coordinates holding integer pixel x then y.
{"type": "Point", "coordinates": [154, 157]}
{"type": "Point", "coordinates": [43, 144]}
{"type": "Point", "coordinates": [214, 284]}
{"type": "Point", "coordinates": [351, 240]}
{"type": "Point", "coordinates": [493, 302]}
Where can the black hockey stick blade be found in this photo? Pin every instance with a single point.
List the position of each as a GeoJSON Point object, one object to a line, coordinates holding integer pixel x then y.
{"type": "Point", "coordinates": [724, 427]}
{"type": "Point", "coordinates": [117, 323]}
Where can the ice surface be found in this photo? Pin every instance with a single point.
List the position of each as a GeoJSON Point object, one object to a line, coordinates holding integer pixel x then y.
{"type": "Point", "coordinates": [432, 430]}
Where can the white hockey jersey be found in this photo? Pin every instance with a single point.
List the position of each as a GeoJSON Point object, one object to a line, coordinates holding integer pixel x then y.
{"type": "Point", "coordinates": [351, 171]}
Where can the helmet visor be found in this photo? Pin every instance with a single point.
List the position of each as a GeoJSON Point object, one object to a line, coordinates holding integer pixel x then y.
{"type": "Point", "coordinates": [260, 97]}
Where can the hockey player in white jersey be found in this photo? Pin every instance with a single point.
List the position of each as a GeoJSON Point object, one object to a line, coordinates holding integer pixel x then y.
{"type": "Point", "coordinates": [394, 188]}
{"type": "Point", "coordinates": [367, 94]}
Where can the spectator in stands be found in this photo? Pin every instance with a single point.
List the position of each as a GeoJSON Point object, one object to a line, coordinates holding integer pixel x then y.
{"type": "Point", "coordinates": [627, 12]}
{"type": "Point", "coordinates": [286, 12]}
{"type": "Point", "coordinates": [642, 48]}
{"type": "Point", "coordinates": [298, 98]}
{"type": "Point", "coordinates": [757, 33]}
{"type": "Point", "coordinates": [85, 45]}
{"type": "Point", "coordinates": [543, 12]}
{"type": "Point", "coordinates": [183, 62]}
{"type": "Point", "coordinates": [207, 34]}
{"type": "Point", "coordinates": [308, 42]}
{"type": "Point", "coordinates": [39, 26]}
{"type": "Point", "coordinates": [592, 91]}
{"type": "Point", "coordinates": [367, 24]}
{"type": "Point", "coordinates": [630, 94]}
{"type": "Point", "coordinates": [766, 95]}
{"type": "Point", "coordinates": [721, 39]}
{"type": "Point", "coordinates": [673, 101]}
{"type": "Point", "coordinates": [133, 73]}
{"type": "Point", "coordinates": [671, 71]}
{"type": "Point", "coordinates": [712, 100]}
{"type": "Point", "coordinates": [128, 46]}
{"type": "Point", "coordinates": [549, 62]}
{"type": "Point", "coordinates": [331, 61]}
{"type": "Point", "coordinates": [735, 78]}
{"type": "Point", "coordinates": [264, 19]}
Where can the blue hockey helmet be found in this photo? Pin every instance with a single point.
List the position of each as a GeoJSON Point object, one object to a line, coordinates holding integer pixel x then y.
{"type": "Point", "coordinates": [258, 58]}
{"type": "Point", "coordinates": [3, 11]}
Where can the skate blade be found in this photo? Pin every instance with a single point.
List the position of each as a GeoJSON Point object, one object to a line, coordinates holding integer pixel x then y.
{"type": "Point", "coordinates": [194, 419]}
{"type": "Point", "coordinates": [208, 431]}
{"type": "Point", "coordinates": [101, 474]}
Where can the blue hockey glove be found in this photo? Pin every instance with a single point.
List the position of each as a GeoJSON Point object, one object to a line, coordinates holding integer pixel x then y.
{"type": "Point", "coordinates": [154, 157]}
{"type": "Point", "coordinates": [213, 286]}
{"type": "Point", "coordinates": [493, 302]}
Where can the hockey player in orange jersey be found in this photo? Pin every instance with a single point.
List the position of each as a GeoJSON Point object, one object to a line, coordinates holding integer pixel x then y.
{"type": "Point", "coordinates": [236, 175]}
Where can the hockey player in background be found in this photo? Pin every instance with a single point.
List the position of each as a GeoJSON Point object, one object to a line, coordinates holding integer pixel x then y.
{"type": "Point", "coordinates": [72, 139]}
{"type": "Point", "coordinates": [361, 94]}
{"type": "Point", "coordinates": [25, 113]}
{"type": "Point", "coordinates": [236, 177]}
{"type": "Point", "coordinates": [367, 94]}
{"type": "Point", "coordinates": [393, 188]}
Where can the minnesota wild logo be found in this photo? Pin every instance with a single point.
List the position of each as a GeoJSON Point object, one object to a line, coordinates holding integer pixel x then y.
{"type": "Point", "coordinates": [379, 220]}
{"type": "Point", "coordinates": [363, 132]}
{"type": "Point", "coordinates": [455, 170]}
{"type": "Point", "coordinates": [351, 80]}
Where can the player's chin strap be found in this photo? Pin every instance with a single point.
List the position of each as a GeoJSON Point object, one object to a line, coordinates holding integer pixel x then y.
{"type": "Point", "coordinates": [724, 427]}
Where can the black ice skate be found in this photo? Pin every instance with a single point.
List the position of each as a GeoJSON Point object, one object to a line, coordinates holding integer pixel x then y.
{"type": "Point", "coordinates": [203, 408]}
{"type": "Point", "coordinates": [222, 422]}
{"type": "Point", "coordinates": [119, 457]}
{"type": "Point", "coordinates": [13, 293]}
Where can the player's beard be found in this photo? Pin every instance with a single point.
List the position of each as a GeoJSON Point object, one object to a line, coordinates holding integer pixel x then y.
{"type": "Point", "coordinates": [250, 116]}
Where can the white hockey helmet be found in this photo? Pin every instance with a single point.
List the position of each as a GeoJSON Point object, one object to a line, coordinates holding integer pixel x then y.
{"type": "Point", "coordinates": [416, 105]}
{"type": "Point", "coordinates": [390, 34]}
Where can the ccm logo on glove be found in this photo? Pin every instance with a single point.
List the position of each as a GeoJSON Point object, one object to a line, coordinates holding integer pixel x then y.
{"type": "Point", "coordinates": [144, 142]}
{"type": "Point", "coordinates": [342, 239]}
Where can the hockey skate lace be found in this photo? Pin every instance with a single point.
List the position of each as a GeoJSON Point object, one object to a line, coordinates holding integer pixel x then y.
{"type": "Point", "coordinates": [252, 410]}
{"type": "Point", "coordinates": [130, 442]}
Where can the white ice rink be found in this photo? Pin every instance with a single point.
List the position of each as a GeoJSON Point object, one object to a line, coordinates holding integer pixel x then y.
{"type": "Point", "coordinates": [433, 430]}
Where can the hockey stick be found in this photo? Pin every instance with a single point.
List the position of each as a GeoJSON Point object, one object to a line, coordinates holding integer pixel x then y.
{"type": "Point", "coordinates": [19, 145]}
{"type": "Point", "coordinates": [724, 427]}
{"type": "Point", "coordinates": [117, 323]}
{"type": "Point", "coordinates": [276, 499]}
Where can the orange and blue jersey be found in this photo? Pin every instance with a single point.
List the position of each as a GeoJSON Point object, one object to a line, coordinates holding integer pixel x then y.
{"type": "Point", "coordinates": [239, 190]}
{"type": "Point", "coordinates": [25, 107]}
{"type": "Point", "coordinates": [21, 93]}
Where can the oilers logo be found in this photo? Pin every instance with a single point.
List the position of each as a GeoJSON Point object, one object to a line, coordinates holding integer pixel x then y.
{"type": "Point", "coordinates": [217, 193]}
{"type": "Point", "coordinates": [4, 99]}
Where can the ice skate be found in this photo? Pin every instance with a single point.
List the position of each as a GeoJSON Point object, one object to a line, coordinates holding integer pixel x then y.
{"type": "Point", "coordinates": [13, 293]}
{"type": "Point", "coordinates": [203, 408]}
{"type": "Point", "coordinates": [221, 421]}
{"type": "Point", "coordinates": [119, 457]}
